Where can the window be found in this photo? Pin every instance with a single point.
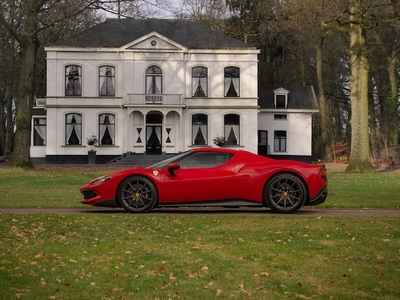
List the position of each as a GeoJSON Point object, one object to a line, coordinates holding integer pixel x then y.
{"type": "Point", "coordinates": [232, 129]}
{"type": "Point", "coordinates": [199, 129]}
{"type": "Point", "coordinates": [232, 82]}
{"type": "Point", "coordinates": [205, 160]}
{"type": "Point", "coordinates": [280, 117]}
{"type": "Point", "coordinates": [199, 82]}
{"type": "Point", "coordinates": [280, 141]}
{"type": "Point", "coordinates": [73, 129]}
{"type": "Point", "coordinates": [106, 81]}
{"type": "Point", "coordinates": [106, 129]}
{"type": "Point", "coordinates": [73, 80]}
{"type": "Point", "coordinates": [39, 132]}
{"type": "Point", "coordinates": [280, 101]}
{"type": "Point", "coordinates": [153, 84]}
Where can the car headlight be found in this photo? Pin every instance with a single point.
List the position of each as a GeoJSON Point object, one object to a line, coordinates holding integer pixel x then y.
{"type": "Point", "coordinates": [101, 179]}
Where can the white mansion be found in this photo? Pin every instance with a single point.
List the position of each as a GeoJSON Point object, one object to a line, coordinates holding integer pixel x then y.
{"type": "Point", "coordinates": [163, 86]}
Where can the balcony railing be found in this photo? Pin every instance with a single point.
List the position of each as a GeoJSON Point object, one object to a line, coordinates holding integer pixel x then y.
{"type": "Point", "coordinates": [158, 99]}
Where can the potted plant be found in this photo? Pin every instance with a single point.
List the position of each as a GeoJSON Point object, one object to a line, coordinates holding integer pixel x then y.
{"type": "Point", "coordinates": [92, 141]}
{"type": "Point", "coordinates": [220, 141]}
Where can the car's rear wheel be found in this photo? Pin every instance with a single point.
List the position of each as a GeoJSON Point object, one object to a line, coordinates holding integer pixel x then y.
{"type": "Point", "coordinates": [285, 193]}
{"type": "Point", "coordinates": [137, 194]}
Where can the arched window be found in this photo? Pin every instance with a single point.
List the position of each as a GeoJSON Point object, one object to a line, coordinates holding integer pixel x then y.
{"type": "Point", "coordinates": [106, 81]}
{"type": "Point", "coordinates": [199, 129]}
{"type": "Point", "coordinates": [199, 82]}
{"type": "Point", "coordinates": [73, 80]}
{"type": "Point", "coordinates": [232, 129]}
{"type": "Point", "coordinates": [232, 82]}
{"type": "Point", "coordinates": [73, 129]}
{"type": "Point", "coordinates": [106, 129]}
{"type": "Point", "coordinates": [153, 84]}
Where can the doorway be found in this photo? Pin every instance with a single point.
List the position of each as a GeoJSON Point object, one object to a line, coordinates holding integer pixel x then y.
{"type": "Point", "coordinates": [153, 134]}
{"type": "Point", "coordinates": [263, 142]}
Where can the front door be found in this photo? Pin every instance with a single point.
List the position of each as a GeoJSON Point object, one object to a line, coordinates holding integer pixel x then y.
{"type": "Point", "coordinates": [262, 142]}
{"type": "Point", "coordinates": [153, 139]}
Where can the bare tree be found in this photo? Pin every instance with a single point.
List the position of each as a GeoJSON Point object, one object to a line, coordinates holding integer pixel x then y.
{"type": "Point", "coordinates": [35, 16]}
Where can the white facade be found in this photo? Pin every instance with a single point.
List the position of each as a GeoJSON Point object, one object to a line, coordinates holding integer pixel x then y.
{"type": "Point", "coordinates": [175, 104]}
{"type": "Point", "coordinates": [153, 95]}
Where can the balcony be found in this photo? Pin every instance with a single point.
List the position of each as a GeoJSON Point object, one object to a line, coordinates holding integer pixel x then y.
{"type": "Point", "coordinates": [158, 99]}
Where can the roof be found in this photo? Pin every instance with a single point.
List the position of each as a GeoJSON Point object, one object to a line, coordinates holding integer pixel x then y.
{"type": "Point", "coordinates": [120, 32]}
{"type": "Point", "coordinates": [299, 97]}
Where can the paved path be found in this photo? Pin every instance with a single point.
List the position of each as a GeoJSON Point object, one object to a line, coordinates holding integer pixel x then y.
{"type": "Point", "coordinates": [306, 212]}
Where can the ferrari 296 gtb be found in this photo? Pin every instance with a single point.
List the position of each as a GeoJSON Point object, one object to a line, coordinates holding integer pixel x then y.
{"type": "Point", "coordinates": [212, 177]}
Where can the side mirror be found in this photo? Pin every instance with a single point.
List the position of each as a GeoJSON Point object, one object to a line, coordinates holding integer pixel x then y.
{"type": "Point", "coordinates": [173, 167]}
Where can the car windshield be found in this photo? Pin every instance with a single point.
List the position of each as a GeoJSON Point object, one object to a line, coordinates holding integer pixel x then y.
{"type": "Point", "coordinates": [164, 163]}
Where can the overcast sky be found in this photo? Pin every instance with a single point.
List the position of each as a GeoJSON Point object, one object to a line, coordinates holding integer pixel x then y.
{"type": "Point", "coordinates": [162, 10]}
{"type": "Point", "coordinates": [165, 13]}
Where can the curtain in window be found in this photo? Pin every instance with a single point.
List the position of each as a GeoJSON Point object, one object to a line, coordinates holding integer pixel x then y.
{"type": "Point", "coordinates": [154, 81]}
{"type": "Point", "coordinates": [232, 82]}
{"type": "Point", "coordinates": [199, 82]}
{"type": "Point", "coordinates": [199, 134]}
{"type": "Point", "coordinates": [73, 81]}
{"type": "Point", "coordinates": [232, 133]}
{"type": "Point", "coordinates": [74, 122]}
{"type": "Point", "coordinates": [40, 129]}
{"type": "Point", "coordinates": [107, 81]}
{"type": "Point", "coordinates": [232, 129]}
{"type": "Point", "coordinates": [153, 85]}
{"type": "Point", "coordinates": [150, 131]}
{"type": "Point", "coordinates": [107, 122]}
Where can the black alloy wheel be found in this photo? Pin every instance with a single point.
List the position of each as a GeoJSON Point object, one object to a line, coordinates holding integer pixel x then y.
{"type": "Point", "coordinates": [285, 193]}
{"type": "Point", "coordinates": [137, 194]}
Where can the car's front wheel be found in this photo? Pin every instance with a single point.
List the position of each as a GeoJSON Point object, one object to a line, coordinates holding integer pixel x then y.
{"type": "Point", "coordinates": [285, 193]}
{"type": "Point", "coordinates": [137, 194]}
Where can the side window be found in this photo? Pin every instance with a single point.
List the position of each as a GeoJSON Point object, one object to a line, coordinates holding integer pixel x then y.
{"type": "Point", "coordinates": [106, 129]}
{"type": "Point", "coordinates": [73, 80]}
{"type": "Point", "coordinates": [232, 82]}
{"type": "Point", "coordinates": [232, 129]}
{"type": "Point", "coordinates": [106, 81]}
{"type": "Point", "coordinates": [199, 129]}
{"type": "Point", "coordinates": [280, 141]}
{"type": "Point", "coordinates": [199, 82]}
{"type": "Point", "coordinates": [39, 132]}
{"type": "Point", "coordinates": [73, 129]}
{"type": "Point", "coordinates": [205, 160]}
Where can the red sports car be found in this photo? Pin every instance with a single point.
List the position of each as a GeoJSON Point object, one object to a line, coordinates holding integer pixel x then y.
{"type": "Point", "coordinates": [212, 177]}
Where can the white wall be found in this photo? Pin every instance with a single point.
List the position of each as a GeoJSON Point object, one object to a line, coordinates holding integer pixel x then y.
{"type": "Point", "coordinates": [298, 126]}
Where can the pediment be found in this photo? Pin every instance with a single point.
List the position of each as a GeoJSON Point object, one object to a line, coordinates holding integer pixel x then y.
{"type": "Point", "coordinates": [281, 91]}
{"type": "Point", "coordinates": [154, 42]}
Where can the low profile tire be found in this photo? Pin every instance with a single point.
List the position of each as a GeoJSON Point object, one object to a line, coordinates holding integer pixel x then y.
{"type": "Point", "coordinates": [137, 194]}
{"type": "Point", "coordinates": [285, 193]}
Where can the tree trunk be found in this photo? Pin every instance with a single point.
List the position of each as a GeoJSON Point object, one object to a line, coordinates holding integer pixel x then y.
{"type": "Point", "coordinates": [359, 156]}
{"type": "Point", "coordinates": [10, 126]}
{"type": "Point", "coordinates": [393, 98]}
{"type": "Point", "coordinates": [21, 153]}
{"type": "Point", "coordinates": [2, 127]}
{"type": "Point", "coordinates": [326, 125]}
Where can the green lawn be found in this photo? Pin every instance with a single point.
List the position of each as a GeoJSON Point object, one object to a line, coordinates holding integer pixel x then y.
{"type": "Point", "coordinates": [125, 256]}
{"type": "Point", "coordinates": [152, 256]}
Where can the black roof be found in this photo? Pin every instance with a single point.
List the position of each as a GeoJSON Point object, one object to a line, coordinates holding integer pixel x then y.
{"type": "Point", "coordinates": [299, 97]}
{"type": "Point", "coordinates": [119, 32]}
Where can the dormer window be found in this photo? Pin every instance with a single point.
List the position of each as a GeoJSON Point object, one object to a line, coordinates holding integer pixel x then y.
{"type": "Point", "coordinates": [281, 98]}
